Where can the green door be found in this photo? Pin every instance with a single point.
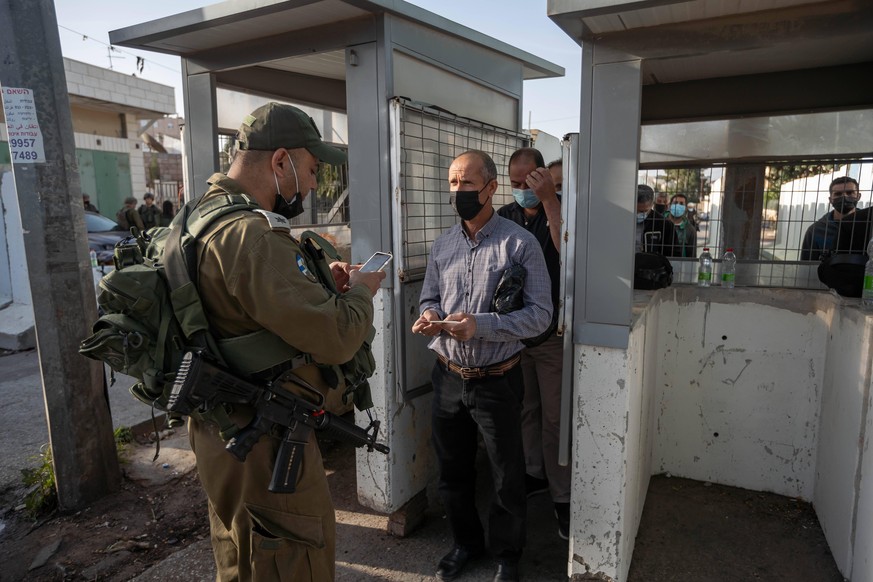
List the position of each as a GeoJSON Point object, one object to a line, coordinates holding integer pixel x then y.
{"type": "Point", "coordinates": [105, 176]}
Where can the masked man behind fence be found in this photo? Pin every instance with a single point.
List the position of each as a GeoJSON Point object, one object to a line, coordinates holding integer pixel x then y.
{"type": "Point", "coordinates": [477, 381]}
{"type": "Point", "coordinates": [844, 229]}
{"type": "Point", "coordinates": [252, 276]}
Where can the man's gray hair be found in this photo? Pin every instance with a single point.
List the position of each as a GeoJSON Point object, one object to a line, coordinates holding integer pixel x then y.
{"type": "Point", "coordinates": [489, 169]}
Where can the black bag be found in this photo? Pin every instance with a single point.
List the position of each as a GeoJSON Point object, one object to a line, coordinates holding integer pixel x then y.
{"type": "Point", "coordinates": [652, 271]}
{"type": "Point", "coordinates": [509, 295]}
{"type": "Point", "coordinates": [844, 273]}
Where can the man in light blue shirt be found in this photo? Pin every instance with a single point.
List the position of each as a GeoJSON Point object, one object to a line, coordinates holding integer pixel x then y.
{"type": "Point", "coordinates": [477, 380]}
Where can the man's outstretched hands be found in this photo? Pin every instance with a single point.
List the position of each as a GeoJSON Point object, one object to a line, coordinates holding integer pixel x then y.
{"type": "Point", "coordinates": [460, 326]}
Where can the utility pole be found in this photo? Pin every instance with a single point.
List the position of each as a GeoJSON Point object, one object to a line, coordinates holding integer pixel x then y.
{"type": "Point", "coordinates": [49, 195]}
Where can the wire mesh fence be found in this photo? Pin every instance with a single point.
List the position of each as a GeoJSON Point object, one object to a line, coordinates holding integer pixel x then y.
{"type": "Point", "coordinates": [429, 139]}
{"type": "Point", "coordinates": [779, 217]}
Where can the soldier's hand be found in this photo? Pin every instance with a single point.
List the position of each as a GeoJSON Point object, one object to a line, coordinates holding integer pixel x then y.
{"type": "Point", "coordinates": [424, 326]}
{"type": "Point", "coordinates": [371, 279]}
{"type": "Point", "coordinates": [340, 272]}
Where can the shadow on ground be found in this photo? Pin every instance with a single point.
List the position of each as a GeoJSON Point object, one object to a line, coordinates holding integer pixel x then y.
{"type": "Point", "coordinates": [693, 531]}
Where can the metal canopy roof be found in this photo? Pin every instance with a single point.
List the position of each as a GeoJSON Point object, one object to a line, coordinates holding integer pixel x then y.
{"type": "Point", "coordinates": [682, 40]}
{"type": "Point", "coordinates": [197, 32]}
{"type": "Point", "coordinates": [732, 58]}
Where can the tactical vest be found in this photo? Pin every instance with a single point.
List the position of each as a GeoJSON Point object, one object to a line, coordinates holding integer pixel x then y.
{"type": "Point", "coordinates": [263, 354]}
{"type": "Point", "coordinates": [152, 314]}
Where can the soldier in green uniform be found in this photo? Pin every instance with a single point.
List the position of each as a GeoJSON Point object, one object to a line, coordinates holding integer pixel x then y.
{"type": "Point", "coordinates": [128, 216]}
{"type": "Point", "coordinates": [253, 276]}
{"type": "Point", "coordinates": [148, 212]}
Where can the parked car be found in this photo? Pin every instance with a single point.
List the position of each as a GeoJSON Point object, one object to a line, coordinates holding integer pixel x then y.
{"type": "Point", "coordinates": [103, 233]}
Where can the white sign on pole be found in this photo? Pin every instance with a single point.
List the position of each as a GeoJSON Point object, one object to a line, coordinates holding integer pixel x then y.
{"type": "Point", "coordinates": [25, 137]}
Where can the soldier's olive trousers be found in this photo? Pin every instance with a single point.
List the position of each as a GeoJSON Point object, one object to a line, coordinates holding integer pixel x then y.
{"type": "Point", "coordinates": [258, 535]}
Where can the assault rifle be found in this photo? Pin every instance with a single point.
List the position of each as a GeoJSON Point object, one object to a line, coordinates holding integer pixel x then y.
{"type": "Point", "coordinates": [201, 385]}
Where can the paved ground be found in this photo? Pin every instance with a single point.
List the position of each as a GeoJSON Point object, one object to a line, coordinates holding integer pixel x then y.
{"type": "Point", "coordinates": [23, 428]}
{"type": "Point", "coordinates": [365, 551]}
{"type": "Point", "coordinates": [690, 532]}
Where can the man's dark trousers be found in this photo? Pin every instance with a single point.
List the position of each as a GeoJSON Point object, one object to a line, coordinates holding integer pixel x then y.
{"type": "Point", "coordinates": [491, 405]}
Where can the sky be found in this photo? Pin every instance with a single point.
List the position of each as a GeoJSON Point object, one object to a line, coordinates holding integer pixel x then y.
{"type": "Point", "coordinates": [551, 105]}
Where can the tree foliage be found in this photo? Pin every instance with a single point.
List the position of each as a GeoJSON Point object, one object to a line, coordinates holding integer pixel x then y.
{"type": "Point", "coordinates": [691, 182]}
{"type": "Point", "coordinates": [779, 175]}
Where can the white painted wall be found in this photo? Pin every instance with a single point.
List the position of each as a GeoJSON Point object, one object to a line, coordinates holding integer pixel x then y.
{"type": "Point", "coordinates": [783, 376]}
{"type": "Point", "coordinates": [386, 483]}
{"type": "Point", "coordinates": [16, 312]}
{"type": "Point", "coordinates": [862, 565]}
{"type": "Point", "coordinates": [739, 389]}
{"type": "Point", "coordinates": [601, 416]}
{"type": "Point", "coordinates": [845, 416]}
{"type": "Point", "coordinates": [112, 87]}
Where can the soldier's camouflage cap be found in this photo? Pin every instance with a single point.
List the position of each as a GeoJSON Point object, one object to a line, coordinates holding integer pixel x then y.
{"type": "Point", "coordinates": [276, 125]}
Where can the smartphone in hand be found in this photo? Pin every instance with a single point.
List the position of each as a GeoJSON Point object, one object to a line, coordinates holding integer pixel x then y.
{"type": "Point", "coordinates": [376, 263]}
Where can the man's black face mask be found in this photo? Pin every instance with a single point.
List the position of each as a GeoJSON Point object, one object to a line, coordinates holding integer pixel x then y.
{"type": "Point", "coordinates": [844, 204]}
{"type": "Point", "coordinates": [466, 203]}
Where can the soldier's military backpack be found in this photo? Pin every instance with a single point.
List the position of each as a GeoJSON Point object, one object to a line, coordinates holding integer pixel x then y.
{"type": "Point", "coordinates": [151, 313]}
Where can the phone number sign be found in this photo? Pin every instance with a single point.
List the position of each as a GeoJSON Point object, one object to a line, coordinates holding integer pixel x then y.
{"type": "Point", "coordinates": [25, 137]}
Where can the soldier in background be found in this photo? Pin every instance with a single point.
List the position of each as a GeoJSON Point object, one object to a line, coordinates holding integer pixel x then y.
{"type": "Point", "coordinates": [128, 217]}
{"type": "Point", "coordinates": [148, 212]}
{"type": "Point", "coordinates": [86, 201]}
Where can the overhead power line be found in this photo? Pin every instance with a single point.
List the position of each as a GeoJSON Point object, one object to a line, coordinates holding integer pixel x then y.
{"type": "Point", "coordinates": [140, 61]}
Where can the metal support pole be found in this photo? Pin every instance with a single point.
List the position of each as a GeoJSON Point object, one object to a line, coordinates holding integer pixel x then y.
{"type": "Point", "coordinates": [80, 425]}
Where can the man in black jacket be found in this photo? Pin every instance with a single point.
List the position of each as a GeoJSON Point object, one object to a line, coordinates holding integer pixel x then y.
{"type": "Point", "coordinates": [654, 233]}
{"type": "Point", "coordinates": [537, 208]}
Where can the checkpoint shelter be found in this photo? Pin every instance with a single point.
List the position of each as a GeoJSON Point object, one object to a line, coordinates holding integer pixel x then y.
{"type": "Point", "coordinates": [403, 91]}
{"type": "Point", "coordinates": [749, 111]}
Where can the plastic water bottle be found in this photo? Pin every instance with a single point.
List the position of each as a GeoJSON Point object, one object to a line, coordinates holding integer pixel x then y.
{"type": "Point", "coordinates": [728, 269]}
{"type": "Point", "coordinates": [93, 255]}
{"type": "Point", "coordinates": [867, 293]}
{"type": "Point", "coordinates": [704, 272]}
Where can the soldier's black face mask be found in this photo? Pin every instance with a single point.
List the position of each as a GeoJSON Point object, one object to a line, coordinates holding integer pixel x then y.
{"type": "Point", "coordinates": [466, 203]}
{"type": "Point", "coordinates": [293, 208]}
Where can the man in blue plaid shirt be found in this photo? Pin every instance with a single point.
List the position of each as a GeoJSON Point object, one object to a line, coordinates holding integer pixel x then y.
{"type": "Point", "coordinates": [477, 380]}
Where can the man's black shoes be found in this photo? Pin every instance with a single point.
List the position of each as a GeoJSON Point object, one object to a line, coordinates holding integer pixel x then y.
{"type": "Point", "coordinates": [507, 571]}
{"type": "Point", "coordinates": [535, 485]}
{"type": "Point", "coordinates": [455, 561]}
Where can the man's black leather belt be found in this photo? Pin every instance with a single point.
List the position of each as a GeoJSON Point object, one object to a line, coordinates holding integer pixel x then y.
{"type": "Point", "coordinates": [467, 373]}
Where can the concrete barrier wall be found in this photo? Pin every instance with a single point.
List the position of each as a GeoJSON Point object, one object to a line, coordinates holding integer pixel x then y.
{"type": "Point", "coordinates": [862, 566]}
{"type": "Point", "coordinates": [739, 387]}
{"type": "Point", "coordinates": [385, 483]}
{"type": "Point", "coordinates": [766, 389]}
{"type": "Point", "coordinates": [607, 504]}
{"type": "Point", "coordinates": [843, 497]}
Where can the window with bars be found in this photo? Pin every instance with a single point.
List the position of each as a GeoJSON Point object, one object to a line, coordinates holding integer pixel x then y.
{"type": "Point", "coordinates": [777, 216]}
{"type": "Point", "coordinates": [429, 139]}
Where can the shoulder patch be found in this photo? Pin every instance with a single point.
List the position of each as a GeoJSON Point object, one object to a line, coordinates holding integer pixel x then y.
{"type": "Point", "coordinates": [301, 264]}
{"type": "Point", "coordinates": [276, 221]}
